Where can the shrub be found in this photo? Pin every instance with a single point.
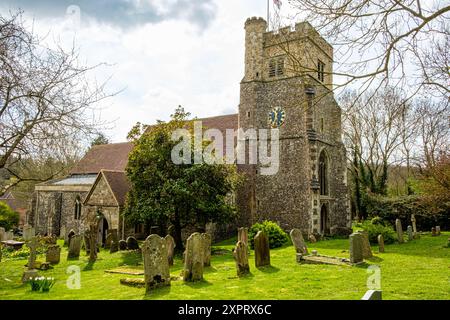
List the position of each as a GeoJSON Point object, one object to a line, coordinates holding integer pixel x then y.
{"type": "Point", "coordinates": [43, 284]}
{"type": "Point", "coordinates": [377, 228]}
{"type": "Point", "coordinates": [8, 217]}
{"type": "Point", "coordinates": [277, 237]}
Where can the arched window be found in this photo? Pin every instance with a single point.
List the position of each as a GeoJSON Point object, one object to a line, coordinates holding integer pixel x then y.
{"type": "Point", "coordinates": [78, 208]}
{"type": "Point", "coordinates": [323, 177]}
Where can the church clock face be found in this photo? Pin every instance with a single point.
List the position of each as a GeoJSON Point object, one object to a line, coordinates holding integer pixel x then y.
{"type": "Point", "coordinates": [276, 117]}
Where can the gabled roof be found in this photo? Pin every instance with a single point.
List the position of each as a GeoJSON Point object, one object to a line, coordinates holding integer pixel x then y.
{"type": "Point", "coordinates": [117, 182]}
{"type": "Point", "coordinates": [112, 156]}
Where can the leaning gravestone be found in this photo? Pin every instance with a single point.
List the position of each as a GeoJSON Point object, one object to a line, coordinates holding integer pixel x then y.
{"type": "Point", "coordinates": [122, 245]}
{"type": "Point", "coordinates": [132, 243]}
{"type": "Point", "coordinates": [356, 248]}
{"type": "Point", "coordinates": [298, 241]}
{"type": "Point", "coordinates": [207, 249]}
{"type": "Point", "coordinates": [193, 260]}
{"type": "Point", "coordinates": [438, 230]}
{"type": "Point", "coordinates": [31, 272]}
{"type": "Point", "coordinates": [156, 263]}
{"type": "Point", "coordinates": [262, 249]}
{"type": "Point", "coordinates": [240, 255]}
{"type": "Point", "coordinates": [53, 255]}
{"type": "Point", "coordinates": [28, 232]}
{"type": "Point", "coordinates": [380, 243]}
{"type": "Point", "coordinates": [367, 251]}
{"type": "Point", "coordinates": [398, 228]}
{"type": "Point", "coordinates": [170, 246]}
{"type": "Point", "coordinates": [409, 231]}
{"type": "Point", "coordinates": [74, 247]}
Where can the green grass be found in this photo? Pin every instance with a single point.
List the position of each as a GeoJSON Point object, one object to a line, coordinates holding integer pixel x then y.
{"type": "Point", "coordinates": [414, 270]}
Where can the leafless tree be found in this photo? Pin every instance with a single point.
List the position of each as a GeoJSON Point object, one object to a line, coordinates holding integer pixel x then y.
{"type": "Point", "coordinates": [47, 101]}
{"type": "Point", "coordinates": [398, 43]}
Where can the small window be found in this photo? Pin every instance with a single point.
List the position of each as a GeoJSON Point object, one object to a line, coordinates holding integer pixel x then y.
{"type": "Point", "coordinates": [321, 125]}
{"type": "Point", "coordinates": [321, 71]}
{"type": "Point", "coordinates": [248, 114]}
{"type": "Point", "coordinates": [77, 208]}
{"type": "Point", "coordinates": [276, 67]}
{"type": "Point", "coordinates": [280, 66]}
{"type": "Point", "coordinates": [272, 68]}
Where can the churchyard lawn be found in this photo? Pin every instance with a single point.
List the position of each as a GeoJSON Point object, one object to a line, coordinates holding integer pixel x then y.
{"type": "Point", "coordinates": [414, 270]}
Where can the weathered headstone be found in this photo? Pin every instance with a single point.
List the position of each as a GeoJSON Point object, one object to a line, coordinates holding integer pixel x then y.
{"type": "Point", "coordinates": [132, 243]}
{"type": "Point", "coordinates": [156, 263]}
{"type": "Point", "coordinates": [170, 246]}
{"type": "Point", "coordinates": [356, 248]}
{"type": "Point", "coordinates": [372, 295]}
{"type": "Point", "coordinates": [193, 260]}
{"type": "Point", "coordinates": [28, 232]}
{"type": "Point", "coordinates": [367, 251]}
{"type": "Point", "coordinates": [108, 241]}
{"type": "Point", "coordinates": [2, 234]}
{"type": "Point", "coordinates": [114, 246]}
{"type": "Point", "coordinates": [409, 231]}
{"type": "Point", "coordinates": [31, 272]}
{"type": "Point", "coordinates": [74, 247]}
{"type": "Point", "coordinates": [122, 245]}
{"type": "Point", "coordinates": [207, 249]}
{"type": "Point", "coordinates": [380, 243]}
{"type": "Point", "coordinates": [69, 237]}
{"type": "Point", "coordinates": [433, 232]}
{"type": "Point", "coordinates": [243, 235]}
{"type": "Point", "coordinates": [262, 249]}
{"type": "Point", "coordinates": [154, 230]}
{"type": "Point", "coordinates": [413, 222]}
{"type": "Point", "coordinates": [312, 238]}
{"type": "Point", "coordinates": [438, 230]}
{"type": "Point", "coordinates": [298, 241]}
{"type": "Point", "coordinates": [240, 255]}
{"type": "Point", "coordinates": [398, 228]}
{"type": "Point", "coordinates": [53, 255]}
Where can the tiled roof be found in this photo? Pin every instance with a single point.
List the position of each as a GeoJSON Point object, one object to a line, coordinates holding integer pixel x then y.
{"type": "Point", "coordinates": [119, 184]}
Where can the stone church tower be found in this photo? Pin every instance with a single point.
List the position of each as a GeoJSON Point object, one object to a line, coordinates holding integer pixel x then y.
{"type": "Point", "coordinates": [287, 85]}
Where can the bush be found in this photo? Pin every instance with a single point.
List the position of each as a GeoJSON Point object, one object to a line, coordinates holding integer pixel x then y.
{"type": "Point", "coordinates": [277, 237]}
{"type": "Point", "coordinates": [8, 217]}
{"type": "Point", "coordinates": [43, 284]}
{"type": "Point", "coordinates": [377, 228]}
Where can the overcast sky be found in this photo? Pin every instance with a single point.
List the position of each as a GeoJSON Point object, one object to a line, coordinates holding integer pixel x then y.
{"type": "Point", "coordinates": [164, 53]}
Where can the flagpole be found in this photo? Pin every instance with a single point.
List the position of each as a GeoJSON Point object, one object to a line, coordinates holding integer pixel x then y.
{"type": "Point", "coordinates": [268, 16]}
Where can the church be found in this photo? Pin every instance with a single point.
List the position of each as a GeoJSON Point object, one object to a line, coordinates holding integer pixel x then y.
{"type": "Point", "coordinates": [287, 85]}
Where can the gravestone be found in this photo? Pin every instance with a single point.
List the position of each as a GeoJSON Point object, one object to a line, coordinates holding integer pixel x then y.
{"type": "Point", "coordinates": [31, 272]}
{"type": "Point", "coordinates": [398, 228]}
{"type": "Point", "coordinates": [132, 243]}
{"type": "Point", "coordinates": [193, 258]}
{"type": "Point", "coordinates": [433, 232]}
{"type": "Point", "coordinates": [156, 263]}
{"type": "Point", "coordinates": [372, 295]}
{"type": "Point", "coordinates": [409, 231]}
{"type": "Point", "coordinates": [243, 235]}
{"type": "Point", "coordinates": [262, 249]}
{"type": "Point", "coordinates": [298, 241]}
{"type": "Point", "coordinates": [69, 237]}
{"type": "Point", "coordinates": [413, 221]}
{"type": "Point", "coordinates": [2, 234]}
{"type": "Point", "coordinates": [312, 238]}
{"type": "Point", "coordinates": [122, 245]}
{"type": "Point", "coordinates": [112, 236]}
{"type": "Point", "coordinates": [438, 230]}
{"type": "Point", "coordinates": [74, 247]}
{"type": "Point", "coordinates": [28, 232]}
{"type": "Point", "coordinates": [240, 255]}
{"type": "Point", "coordinates": [114, 246]}
{"type": "Point", "coordinates": [380, 243]}
{"type": "Point", "coordinates": [207, 249]}
{"type": "Point", "coordinates": [356, 247]}
{"type": "Point", "coordinates": [367, 251]}
{"type": "Point", "coordinates": [154, 230]}
{"type": "Point", "coordinates": [53, 255]}
{"type": "Point", "coordinates": [170, 246]}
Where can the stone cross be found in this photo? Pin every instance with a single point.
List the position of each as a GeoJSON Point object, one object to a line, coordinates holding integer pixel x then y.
{"type": "Point", "coordinates": [262, 249]}
{"type": "Point", "coordinates": [356, 248]}
{"type": "Point", "coordinates": [413, 221]}
{"type": "Point", "coordinates": [380, 243]}
{"type": "Point", "coordinates": [298, 241]}
{"type": "Point", "coordinates": [367, 251]}
{"type": "Point", "coordinates": [170, 246]}
{"type": "Point", "coordinates": [240, 255]}
{"type": "Point", "coordinates": [53, 255]}
{"type": "Point", "coordinates": [193, 259]}
{"type": "Point", "coordinates": [156, 263]}
{"type": "Point", "coordinates": [207, 249]}
{"type": "Point", "coordinates": [409, 231]}
{"type": "Point", "coordinates": [398, 228]}
{"type": "Point", "coordinates": [32, 244]}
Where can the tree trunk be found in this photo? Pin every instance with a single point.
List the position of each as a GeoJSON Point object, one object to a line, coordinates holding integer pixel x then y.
{"type": "Point", "coordinates": [93, 243]}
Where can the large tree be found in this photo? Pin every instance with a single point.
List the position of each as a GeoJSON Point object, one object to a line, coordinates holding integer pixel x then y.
{"type": "Point", "coordinates": [164, 193]}
{"type": "Point", "coordinates": [46, 101]}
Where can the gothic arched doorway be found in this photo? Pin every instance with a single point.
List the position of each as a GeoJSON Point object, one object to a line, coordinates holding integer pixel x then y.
{"type": "Point", "coordinates": [102, 231]}
{"type": "Point", "coordinates": [324, 220]}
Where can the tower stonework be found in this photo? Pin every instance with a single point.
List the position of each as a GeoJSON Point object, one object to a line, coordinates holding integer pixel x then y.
{"type": "Point", "coordinates": [290, 71]}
